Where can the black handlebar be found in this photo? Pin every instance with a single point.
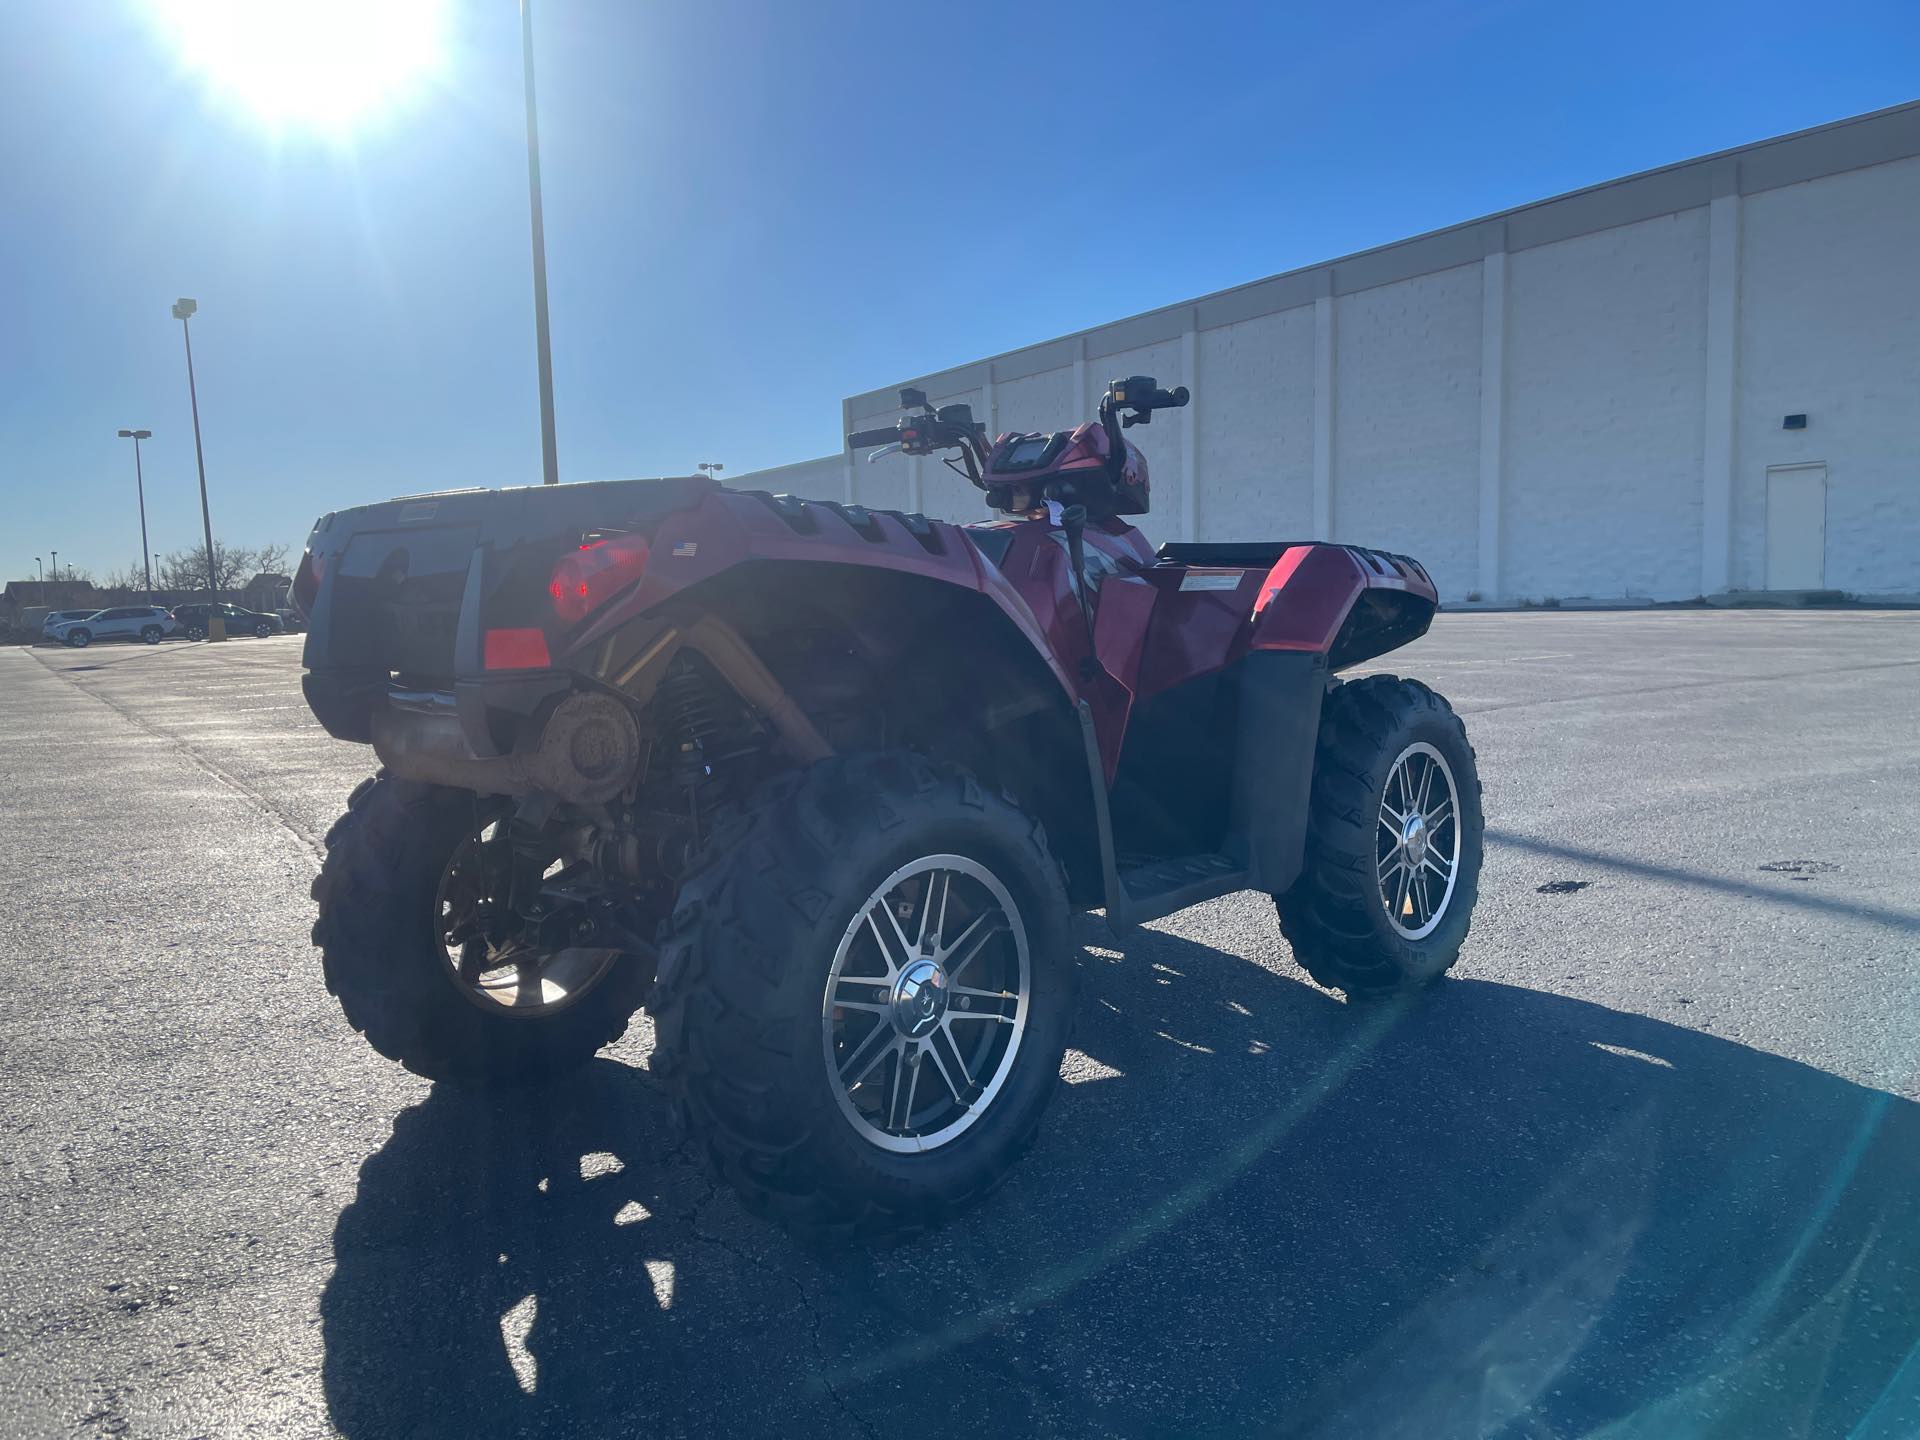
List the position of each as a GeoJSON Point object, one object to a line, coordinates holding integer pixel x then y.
{"type": "Point", "coordinates": [1143, 395]}
{"type": "Point", "coordinates": [861, 439]}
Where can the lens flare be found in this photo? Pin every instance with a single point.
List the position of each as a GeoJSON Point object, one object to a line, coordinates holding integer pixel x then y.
{"type": "Point", "coordinates": [324, 66]}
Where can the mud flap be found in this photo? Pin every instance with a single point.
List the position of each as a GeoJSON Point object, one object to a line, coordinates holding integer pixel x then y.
{"type": "Point", "coordinates": [1281, 692]}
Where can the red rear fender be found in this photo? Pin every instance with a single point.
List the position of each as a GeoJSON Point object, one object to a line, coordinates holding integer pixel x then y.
{"type": "Point", "coordinates": [730, 528]}
{"type": "Point", "coordinates": [1342, 601]}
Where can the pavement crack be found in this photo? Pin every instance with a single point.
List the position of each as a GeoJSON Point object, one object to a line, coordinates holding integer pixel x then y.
{"type": "Point", "coordinates": [312, 844]}
{"type": "Point", "coordinates": [815, 1321]}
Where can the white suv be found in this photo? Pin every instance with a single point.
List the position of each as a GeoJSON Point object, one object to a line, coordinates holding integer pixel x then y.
{"type": "Point", "coordinates": [57, 618]}
{"type": "Point", "coordinates": [147, 623]}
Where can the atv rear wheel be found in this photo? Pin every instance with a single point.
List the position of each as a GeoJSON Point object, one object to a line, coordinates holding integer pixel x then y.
{"type": "Point", "coordinates": [412, 948]}
{"type": "Point", "coordinates": [866, 993]}
{"type": "Point", "coordinates": [1392, 866]}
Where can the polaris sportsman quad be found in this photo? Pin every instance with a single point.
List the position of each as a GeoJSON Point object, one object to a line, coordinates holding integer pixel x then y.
{"type": "Point", "coordinates": [821, 786]}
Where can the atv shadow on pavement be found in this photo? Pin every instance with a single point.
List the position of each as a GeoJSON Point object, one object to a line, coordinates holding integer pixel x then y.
{"type": "Point", "coordinates": [1494, 1210]}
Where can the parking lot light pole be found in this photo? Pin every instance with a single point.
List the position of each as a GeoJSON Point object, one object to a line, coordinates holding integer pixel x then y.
{"type": "Point", "coordinates": [140, 488]}
{"type": "Point", "coordinates": [41, 566]}
{"type": "Point", "coordinates": [56, 565]}
{"type": "Point", "coordinates": [183, 310]}
{"type": "Point", "coordinates": [549, 450]}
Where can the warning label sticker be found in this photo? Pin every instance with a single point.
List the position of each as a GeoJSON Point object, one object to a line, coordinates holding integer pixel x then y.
{"type": "Point", "coordinates": [1212, 579]}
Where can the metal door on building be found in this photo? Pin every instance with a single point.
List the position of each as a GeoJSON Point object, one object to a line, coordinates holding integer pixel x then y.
{"type": "Point", "coordinates": [1796, 527]}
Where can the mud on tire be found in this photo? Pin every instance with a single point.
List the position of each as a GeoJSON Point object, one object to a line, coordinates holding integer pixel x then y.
{"type": "Point", "coordinates": [744, 967]}
{"type": "Point", "coordinates": [1336, 917]}
{"type": "Point", "coordinates": [384, 962]}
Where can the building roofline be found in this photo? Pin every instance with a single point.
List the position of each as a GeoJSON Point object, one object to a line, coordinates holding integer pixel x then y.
{"type": "Point", "coordinates": [1853, 143]}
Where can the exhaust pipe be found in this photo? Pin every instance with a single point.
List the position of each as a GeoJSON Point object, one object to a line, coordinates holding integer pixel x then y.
{"type": "Point", "coordinates": [587, 752]}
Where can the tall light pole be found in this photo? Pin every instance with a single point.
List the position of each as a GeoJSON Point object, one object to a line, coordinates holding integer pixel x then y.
{"type": "Point", "coordinates": [140, 487]}
{"type": "Point", "coordinates": [709, 469]}
{"type": "Point", "coordinates": [41, 566]}
{"type": "Point", "coordinates": [216, 623]}
{"type": "Point", "coordinates": [549, 449]}
{"type": "Point", "coordinates": [56, 565]}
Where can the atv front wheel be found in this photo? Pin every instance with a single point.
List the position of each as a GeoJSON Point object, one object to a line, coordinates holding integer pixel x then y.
{"type": "Point", "coordinates": [412, 900]}
{"type": "Point", "coordinates": [866, 993]}
{"type": "Point", "coordinates": [1392, 865]}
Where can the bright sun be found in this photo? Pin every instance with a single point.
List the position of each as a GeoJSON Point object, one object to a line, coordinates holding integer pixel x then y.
{"type": "Point", "coordinates": [318, 65]}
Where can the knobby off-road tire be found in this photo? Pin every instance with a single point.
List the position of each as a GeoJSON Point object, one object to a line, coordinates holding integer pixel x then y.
{"type": "Point", "coordinates": [745, 1038]}
{"type": "Point", "coordinates": [1350, 929]}
{"type": "Point", "coordinates": [383, 958]}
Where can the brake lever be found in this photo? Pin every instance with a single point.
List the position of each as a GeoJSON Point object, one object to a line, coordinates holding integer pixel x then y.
{"type": "Point", "coordinates": [873, 455]}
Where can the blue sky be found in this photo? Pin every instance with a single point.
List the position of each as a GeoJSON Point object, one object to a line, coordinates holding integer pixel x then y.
{"type": "Point", "coordinates": [754, 209]}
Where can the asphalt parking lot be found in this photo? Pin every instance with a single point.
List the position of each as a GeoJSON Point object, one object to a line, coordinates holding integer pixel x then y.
{"type": "Point", "coordinates": [1647, 1165]}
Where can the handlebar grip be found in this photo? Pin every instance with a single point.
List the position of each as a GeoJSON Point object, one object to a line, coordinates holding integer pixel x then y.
{"type": "Point", "coordinates": [861, 439]}
{"type": "Point", "coordinates": [1173, 398]}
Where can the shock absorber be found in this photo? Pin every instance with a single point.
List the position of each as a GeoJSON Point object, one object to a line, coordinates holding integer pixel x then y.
{"type": "Point", "coordinates": [692, 720]}
{"type": "Point", "coordinates": [688, 703]}
{"type": "Point", "coordinates": [703, 718]}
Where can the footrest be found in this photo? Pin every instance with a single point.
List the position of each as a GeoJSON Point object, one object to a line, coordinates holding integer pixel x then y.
{"type": "Point", "coordinates": [1162, 886]}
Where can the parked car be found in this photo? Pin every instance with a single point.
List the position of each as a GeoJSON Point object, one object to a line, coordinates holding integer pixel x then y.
{"type": "Point", "coordinates": [192, 620]}
{"type": "Point", "coordinates": [290, 621]}
{"type": "Point", "coordinates": [148, 624]}
{"type": "Point", "coordinates": [57, 618]}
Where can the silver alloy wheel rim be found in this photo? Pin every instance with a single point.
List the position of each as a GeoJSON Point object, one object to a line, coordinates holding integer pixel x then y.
{"type": "Point", "coordinates": [1419, 841]}
{"type": "Point", "coordinates": [891, 1004]}
{"type": "Point", "coordinates": [507, 978]}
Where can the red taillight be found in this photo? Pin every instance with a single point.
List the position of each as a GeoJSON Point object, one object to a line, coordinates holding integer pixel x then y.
{"type": "Point", "coordinates": [585, 579]}
{"type": "Point", "coordinates": [516, 650]}
{"type": "Point", "coordinates": [306, 583]}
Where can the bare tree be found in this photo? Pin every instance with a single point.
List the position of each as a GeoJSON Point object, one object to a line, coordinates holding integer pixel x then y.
{"type": "Point", "coordinates": [234, 565]}
{"type": "Point", "coordinates": [187, 569]}
{"type": "Point", "coordinates": [127, 577]}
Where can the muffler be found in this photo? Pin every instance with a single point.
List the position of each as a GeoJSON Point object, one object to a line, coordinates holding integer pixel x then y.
{"type": "Point", "coordinates": [587, 752]}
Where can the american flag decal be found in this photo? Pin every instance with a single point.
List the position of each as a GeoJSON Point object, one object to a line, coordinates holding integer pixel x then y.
{"type": "Point", "coordinates": [687, 549]}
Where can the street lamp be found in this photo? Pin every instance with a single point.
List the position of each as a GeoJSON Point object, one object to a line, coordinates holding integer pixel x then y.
{"type": "Point", "coordinates": [183, 311]}
{"type": "Point", "coordinates": [41, 566]}
{"type": "Point", "coordinates": [56, 565]}
{"type": "Point", "coordinates": [710, 469]}
{"type": "Point", "coordinates": [140, 487]}
{"type": "Point", "coordinates": [549, 450]}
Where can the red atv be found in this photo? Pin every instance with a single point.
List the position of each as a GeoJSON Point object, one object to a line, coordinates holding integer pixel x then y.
{"type": "Point", "coordinates": [822, 786]}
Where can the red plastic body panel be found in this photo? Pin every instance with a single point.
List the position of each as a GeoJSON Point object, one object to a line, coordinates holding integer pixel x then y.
{"type": "Point", "coordinates": [1305, 597]}
{"type": "Point", "coordinates": [1158, 623]}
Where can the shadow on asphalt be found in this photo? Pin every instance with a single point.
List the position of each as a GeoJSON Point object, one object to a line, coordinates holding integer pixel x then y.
{"type": "Point", "coordinates": [1495, 1211]}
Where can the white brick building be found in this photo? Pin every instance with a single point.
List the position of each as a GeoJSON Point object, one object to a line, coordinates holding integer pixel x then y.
{"type": "Point", "coordinates": [1593, 396]}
